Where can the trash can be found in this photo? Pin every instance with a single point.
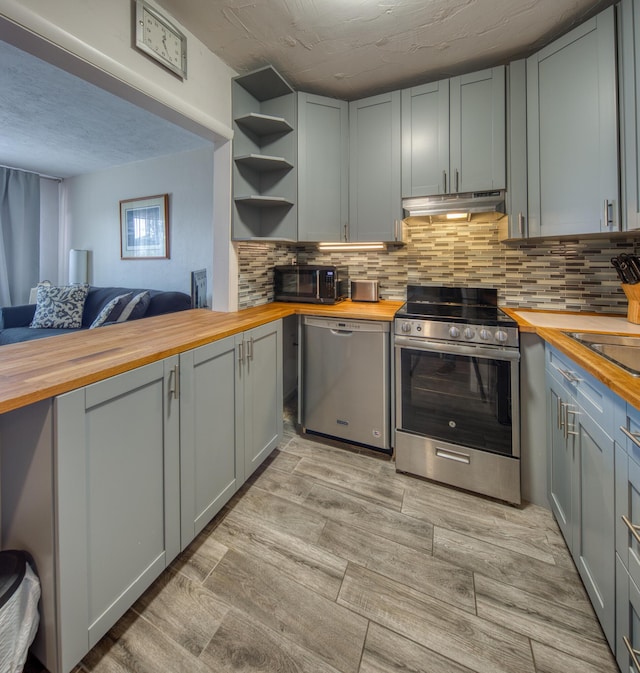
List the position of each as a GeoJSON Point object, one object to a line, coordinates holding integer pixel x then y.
{"type": "Point", "coordinates": [19, 617]}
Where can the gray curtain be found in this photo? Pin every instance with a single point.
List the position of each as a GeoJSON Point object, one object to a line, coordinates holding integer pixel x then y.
{"type": "Point", "coordinates": [19, 235]}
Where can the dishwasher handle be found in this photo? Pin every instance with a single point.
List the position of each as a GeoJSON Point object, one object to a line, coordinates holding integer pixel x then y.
{"type": "Point", "coordinates": [341, 332]}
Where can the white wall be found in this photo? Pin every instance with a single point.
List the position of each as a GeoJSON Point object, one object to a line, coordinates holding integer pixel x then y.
{"type": "Point", "coordinates": [92, 214]}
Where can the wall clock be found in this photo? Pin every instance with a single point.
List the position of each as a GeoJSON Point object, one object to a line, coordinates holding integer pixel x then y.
{"type": "Point", "coordinates": [160, 39]}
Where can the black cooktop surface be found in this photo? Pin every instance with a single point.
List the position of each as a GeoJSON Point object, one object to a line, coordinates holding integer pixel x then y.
{"type": "Point", "coordinates": [476, 306]}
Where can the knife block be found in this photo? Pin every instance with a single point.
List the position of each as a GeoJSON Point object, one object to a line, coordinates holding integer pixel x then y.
{"type": "Point", "coordinates": [633, 295]}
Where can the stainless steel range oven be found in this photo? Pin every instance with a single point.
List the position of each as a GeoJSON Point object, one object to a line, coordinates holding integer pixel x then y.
{"type": "Point", "coordinates": [458, 390]}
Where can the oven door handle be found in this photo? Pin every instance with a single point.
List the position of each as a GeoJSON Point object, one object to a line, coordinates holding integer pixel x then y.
{"type": "Point", "coordinates": [457, 349]}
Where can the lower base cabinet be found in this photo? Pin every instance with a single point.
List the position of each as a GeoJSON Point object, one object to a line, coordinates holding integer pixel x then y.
{"type": "Point", "coordinates": [627, 648]}
{"type": "Point", "coordinates": [259, 393]}
{"type": "Point", "coordinates": [105, 485]}
{"type": "Point", "coordinates": [581, 481]}
{"type": "Point", "coordinates": [210, 472]}
{"type": "Point", "coordinates": [230, 419]}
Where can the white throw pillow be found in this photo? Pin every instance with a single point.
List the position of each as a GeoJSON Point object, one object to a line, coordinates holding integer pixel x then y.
{"type": "Point", "coordinates": [59, 306]}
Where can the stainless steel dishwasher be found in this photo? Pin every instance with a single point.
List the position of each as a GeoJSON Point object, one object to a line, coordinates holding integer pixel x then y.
{"type": "Point", "coordinates": [345, 380]}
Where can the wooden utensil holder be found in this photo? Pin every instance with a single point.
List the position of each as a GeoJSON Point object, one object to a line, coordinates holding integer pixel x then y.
{"type": "Point", "coordinates": [633, 295]}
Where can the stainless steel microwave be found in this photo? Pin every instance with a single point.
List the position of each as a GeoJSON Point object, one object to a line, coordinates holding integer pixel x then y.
{"type": "Point", "coordinates": [310, 283]}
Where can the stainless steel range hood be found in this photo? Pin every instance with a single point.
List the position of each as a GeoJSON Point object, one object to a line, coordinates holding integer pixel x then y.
{"type": "Point", "coordinates": [468, 203]}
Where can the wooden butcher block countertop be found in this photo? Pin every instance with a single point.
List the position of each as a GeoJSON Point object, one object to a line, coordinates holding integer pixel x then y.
{"type": "Point", "coordinates": [36, 370]}
{"type": "Point", "coordinates": [551, 325]}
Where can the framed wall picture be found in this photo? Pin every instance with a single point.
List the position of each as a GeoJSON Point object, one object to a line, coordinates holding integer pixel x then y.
{"type": "Point", "coordinates": [144, 227]}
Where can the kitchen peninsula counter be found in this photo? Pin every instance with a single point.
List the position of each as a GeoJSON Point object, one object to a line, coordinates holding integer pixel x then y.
{"type": "Point", "coordinates": [36, 370]}
{"type": "Point", "coordinates": [551, 325]}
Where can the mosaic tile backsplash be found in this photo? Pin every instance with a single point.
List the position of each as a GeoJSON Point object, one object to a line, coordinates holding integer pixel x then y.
{"type": "Point", "coordinates": [571, 275]}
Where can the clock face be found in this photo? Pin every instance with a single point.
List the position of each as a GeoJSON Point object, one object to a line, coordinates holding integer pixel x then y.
{"type": "Point", "coordinates": [158, 38]}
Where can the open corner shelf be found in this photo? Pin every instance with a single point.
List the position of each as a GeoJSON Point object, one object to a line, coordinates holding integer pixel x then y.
{"type": "Point", "coordinates": [263, 125]}
{"type": "Point", "coordinates": [263, 163]}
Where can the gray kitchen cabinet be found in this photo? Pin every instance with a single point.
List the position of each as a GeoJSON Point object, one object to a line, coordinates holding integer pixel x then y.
{"type": "Point", "coordinates": [323, 168]}
{"type": "Point", "coordinates": [265, 182]}
{"type": "Point", "coordinates": [627, 620]}
{"type": "Point", "coordinates": [581, 477]}
{"type": "Point", "coordinates": [560, 479]}
{"type": "Point", "coordinates": [258, 393]}
{"type": "Point", "coordinates": [101, 515]}
{"type": "Point", "coordinates": [375, 210]}
{"type": "Point", "coordinates": [627, 507]}
{"type": "Point", "coordinates": [211, 470]}
{"type": "Point", "coordinates": [425, 139]}
{"type": "Point", "coordinates": [453, 135]}
{"type": "Point", "coordinates": [477, 131]}
{"type": "Point", "coordinates": [572, 135]}
{"type": "Point", "coordinates": [517, 207]}
{"type": "Point", "coordinates": [627, 472]}
{"type": "Point", "coordinates": [230, 419]}
{"type": "Point", "coordinates": [629, 68]}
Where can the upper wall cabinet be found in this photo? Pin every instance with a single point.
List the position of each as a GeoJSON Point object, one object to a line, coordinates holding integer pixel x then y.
{"type": "Point", "coordinates": [572, 132]}
{"type": "Point", "coordinates": [453, 135]}
{"type": "Point", "coordinates": [323, 168]}
{"type": "Point", "coordinates": [264, 157]}
{"type": "Point", "coordinates": [517, 150]}
{"type": "Point", "coordinates": [629, 35]}
{"type": "Point", "coordinates": [375, 210]}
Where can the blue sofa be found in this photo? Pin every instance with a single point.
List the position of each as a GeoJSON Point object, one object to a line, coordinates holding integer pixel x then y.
{"type": "Point", "coordinates": [15, 320]}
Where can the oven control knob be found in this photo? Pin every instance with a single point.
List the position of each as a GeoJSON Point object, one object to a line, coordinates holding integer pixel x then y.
{"type": "Point", "coordinates": [454, 332]}
{"type": "Point", "coordinates": [501, 336]}
{"type": "Point", "coordinates": [469, 333]}
{"type": "Point", "coordinates": [406, 327]}
{"type": "Point", "coordinates": [485, 334]}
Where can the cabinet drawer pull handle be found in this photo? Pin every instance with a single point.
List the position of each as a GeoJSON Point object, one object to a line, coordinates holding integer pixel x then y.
{"type": "Point", "coordinates": [567, 375]}
{"type": "Point", "coordinates": [241, 352]}
{"type": "Point", "coordinates": [575, 413]}
{"type": "Point", "coordinates": [457, 180]}
{"type": "Point", "coordinates": [250, 349]}
{"type": "Point", "coordinates": [521, 224]}
{"type": "Point", "coordinates": [346, 231]}
{"type": "Point", "coordinates": [635, 531]}
{"type": "Point", "coordinates": [174, 382]}
{"type": "Point", "coordinates": [635, 438]}
{"type": "Point", "coordinates": [561, 406]}
{"type": "Point", "coordinates": [609, 215]}
{"type": "Point", "coordinates": [632, 653]}
{"type": "Point", "coordinates": [444, 180]}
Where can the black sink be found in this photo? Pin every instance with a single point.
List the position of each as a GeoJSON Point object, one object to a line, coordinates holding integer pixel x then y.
{"type": "Point", "coordinates": [623, 351]}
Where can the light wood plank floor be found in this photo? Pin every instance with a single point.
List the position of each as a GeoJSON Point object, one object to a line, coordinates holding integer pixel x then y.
{"type": "Point", "coordinates": [327, 561]}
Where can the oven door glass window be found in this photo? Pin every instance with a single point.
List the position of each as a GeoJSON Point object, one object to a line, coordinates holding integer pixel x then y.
{"type": "Point", "coordinates": [461, 399]}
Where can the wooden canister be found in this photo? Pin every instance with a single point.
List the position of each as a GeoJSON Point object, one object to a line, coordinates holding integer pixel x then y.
{"type": "Point", "coordinates": [633, 295]}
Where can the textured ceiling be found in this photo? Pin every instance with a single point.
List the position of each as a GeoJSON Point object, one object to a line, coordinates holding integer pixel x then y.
{"type": "Point", "coordinates": [57, 124]}
{"type": "Point", "coordinates": [354, 48]}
